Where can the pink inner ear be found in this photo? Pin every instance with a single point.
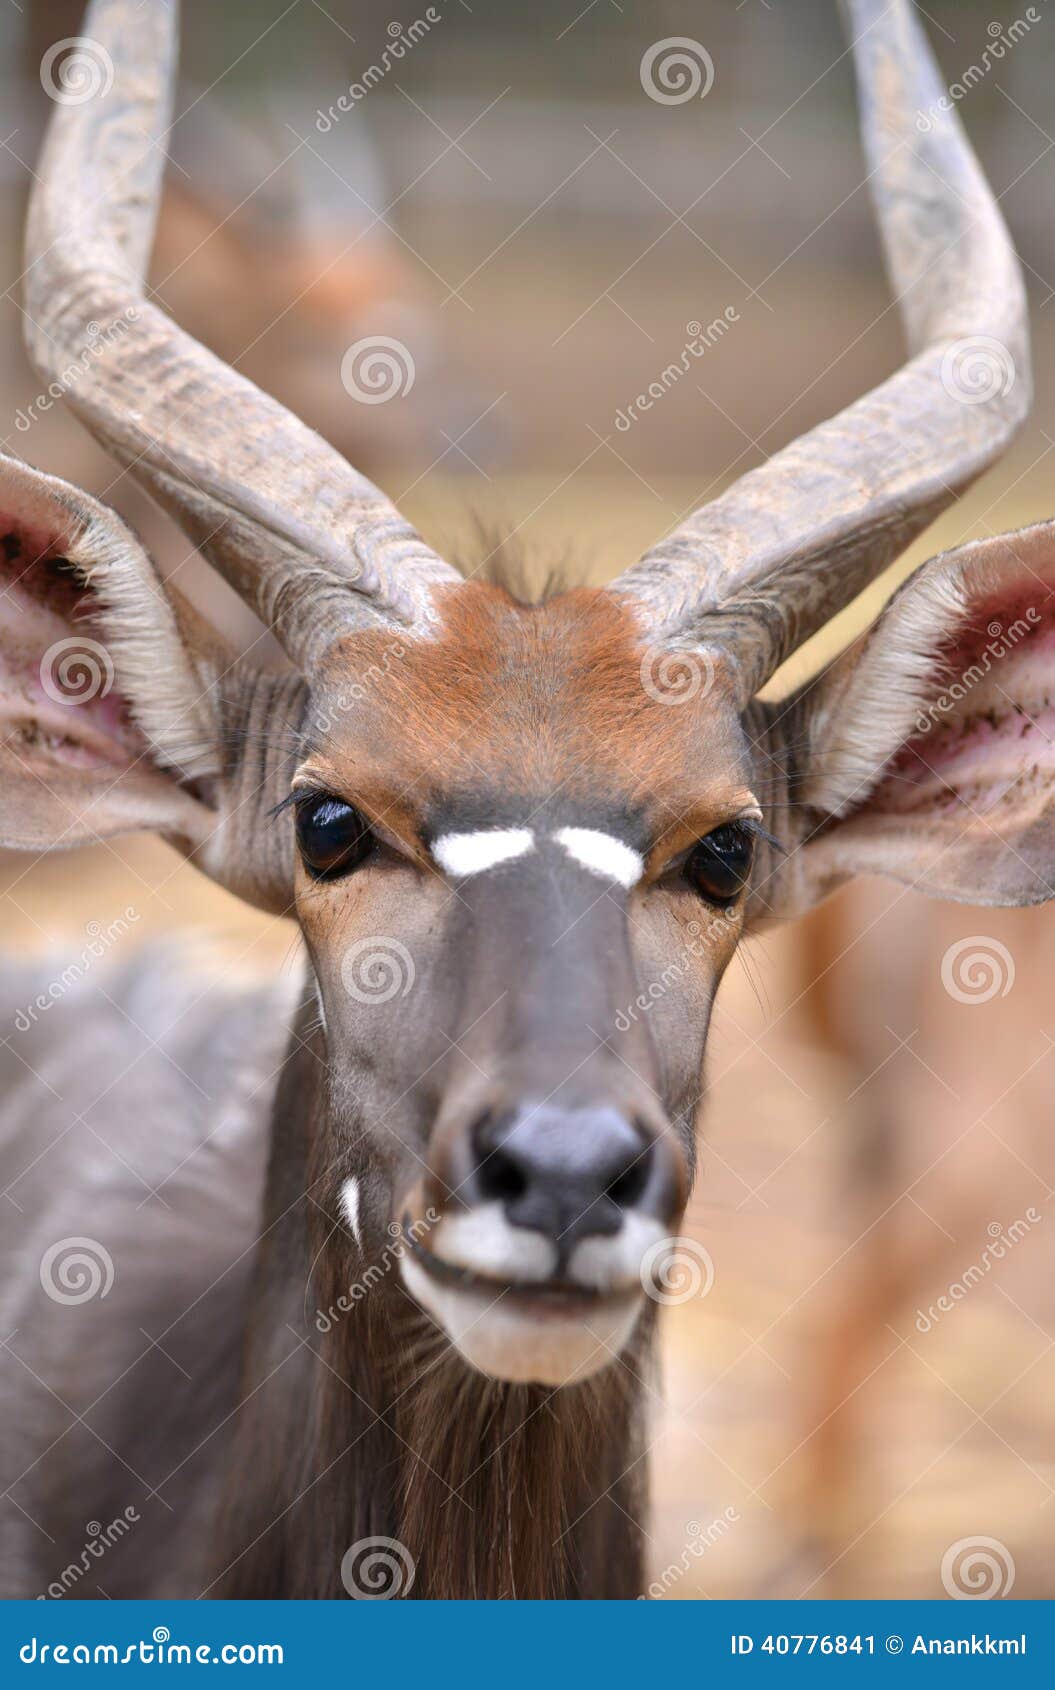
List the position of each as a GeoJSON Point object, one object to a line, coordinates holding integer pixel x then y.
{"type": "Point", "coordinates": [58, 694]}
{"type": "Point", "coordinates": [993, 745]}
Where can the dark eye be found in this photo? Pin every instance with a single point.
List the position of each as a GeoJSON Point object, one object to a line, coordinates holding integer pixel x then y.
{"type": "Point", "coordinates": [719, 865]}
{"type": "Point", "coordinates": [333, 838]}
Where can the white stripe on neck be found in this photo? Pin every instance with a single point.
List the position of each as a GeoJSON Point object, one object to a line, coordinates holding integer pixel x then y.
{"type": "Point", "coordinates": [350, 1208]}
{"type": "Point", "coordinates": [462, 854]}
{"type": "Point", "coordinates": [602, 854]}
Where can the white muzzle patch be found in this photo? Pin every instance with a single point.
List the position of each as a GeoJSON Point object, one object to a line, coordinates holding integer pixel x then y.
{"type": "Point", "coordinates": [490, 1325]}
{"type": "Point", "coordinates": [494, 1334]}
{"type": "Point", "coordinates": [484, 1242]}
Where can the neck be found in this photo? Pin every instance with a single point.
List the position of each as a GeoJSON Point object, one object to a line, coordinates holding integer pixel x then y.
{"type": "Point", "coordinates": [376, 1428]}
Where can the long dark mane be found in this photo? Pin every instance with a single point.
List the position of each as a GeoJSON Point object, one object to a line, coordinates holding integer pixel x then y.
{"type": "Point", "coordinates": [377, 1429]}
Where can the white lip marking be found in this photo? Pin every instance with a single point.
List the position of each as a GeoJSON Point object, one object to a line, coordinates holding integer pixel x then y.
{"type": "Point", "coordinates": [350, 1208]}
{"type": "Point", "coordinates": [602, 854]}
{"type": "Point", "coordinates": [462, 854]}
{"type": "Point", "coordinates": [484, 1242]}
{"type": "Point", "coordinates": [613, 1263]}
{"type": "Point", "coordinates": [499, 1339]}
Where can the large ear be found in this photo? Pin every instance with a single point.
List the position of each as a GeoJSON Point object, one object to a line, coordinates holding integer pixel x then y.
{"type": "Point", "coordinates": [927, 751]}
{"type": "Point", "coordinates": [118, 710]}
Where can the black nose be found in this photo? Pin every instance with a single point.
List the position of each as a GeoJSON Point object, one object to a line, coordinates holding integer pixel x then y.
{"type": "Point", "coordinates": [569, 1173]}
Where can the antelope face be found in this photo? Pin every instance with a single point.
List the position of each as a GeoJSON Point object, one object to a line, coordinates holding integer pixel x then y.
{"type": "Point", "coordinates": [513, 841]}
{"type": "Point", "coordinates": [509, 832]}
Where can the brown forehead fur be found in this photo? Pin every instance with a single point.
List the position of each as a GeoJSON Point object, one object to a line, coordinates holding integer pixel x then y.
{"type": "Point", "coordinates": [513, 701]}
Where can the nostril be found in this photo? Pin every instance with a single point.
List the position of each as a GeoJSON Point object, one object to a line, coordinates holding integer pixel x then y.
{"type": "Point", "coordinates": [498, 1175]}
{"type": "Point", "coordinates": [567, 1173]}
{"type": "Point", "coordinates": [629, 1186]}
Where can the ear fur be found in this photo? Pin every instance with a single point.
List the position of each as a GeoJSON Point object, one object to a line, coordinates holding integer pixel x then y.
{"type": "Point", "coordinates": [118, 709]}
{"type": "Point", "coordinates": [930, 744]}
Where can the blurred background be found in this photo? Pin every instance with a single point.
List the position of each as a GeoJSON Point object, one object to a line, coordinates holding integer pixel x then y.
{"type": "Point", "coordinates": [488, 196]}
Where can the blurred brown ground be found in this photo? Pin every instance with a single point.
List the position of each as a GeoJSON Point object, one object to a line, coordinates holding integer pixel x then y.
{"type": "Point", "coordinates": [565, 311]}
